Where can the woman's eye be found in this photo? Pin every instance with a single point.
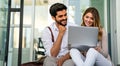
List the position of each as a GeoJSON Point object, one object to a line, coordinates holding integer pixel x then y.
{"type": "Point", "coordinates": [92, 19]}
{"type": "Point", "coordinates": [87, 17]}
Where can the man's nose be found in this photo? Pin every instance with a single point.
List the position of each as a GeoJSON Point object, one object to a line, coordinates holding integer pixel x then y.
{"type": "Point", "coordinates": [64, 17]}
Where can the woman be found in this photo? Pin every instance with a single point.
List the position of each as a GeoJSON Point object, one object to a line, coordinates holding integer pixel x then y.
{"type": "Point", "coordinates": [97, 56]}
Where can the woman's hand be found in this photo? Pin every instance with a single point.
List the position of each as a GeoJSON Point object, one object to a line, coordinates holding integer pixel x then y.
{"type": "Point", "coordinates": [84, 53]}
{"type": "Point", "coordinates": [98, 48]}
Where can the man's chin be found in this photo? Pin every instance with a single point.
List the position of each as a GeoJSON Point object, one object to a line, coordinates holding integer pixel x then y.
{"type": "Point", "coordinates": [63, 24]}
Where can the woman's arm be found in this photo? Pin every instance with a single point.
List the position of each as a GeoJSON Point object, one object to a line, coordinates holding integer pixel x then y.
{"type": "Point", "coordinates": [103, 44]}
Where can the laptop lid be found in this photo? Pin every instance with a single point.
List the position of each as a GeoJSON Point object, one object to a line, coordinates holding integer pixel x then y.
{"type": "Point", "coordinates": [80, 36]}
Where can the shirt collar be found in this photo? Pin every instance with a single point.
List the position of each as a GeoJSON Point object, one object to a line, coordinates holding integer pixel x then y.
{"type": "Point", "coordinates": [55, 27]}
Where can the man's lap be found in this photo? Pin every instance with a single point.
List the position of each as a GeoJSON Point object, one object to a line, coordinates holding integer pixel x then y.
{"type": "Point", "coordinates": [51, 61]}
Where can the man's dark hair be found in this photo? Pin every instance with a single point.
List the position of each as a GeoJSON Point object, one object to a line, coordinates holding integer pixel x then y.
{"type": "Point", "coordinates": [57, 7]}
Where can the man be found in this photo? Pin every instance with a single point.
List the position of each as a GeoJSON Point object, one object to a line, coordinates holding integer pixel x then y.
{"type": "Point", "coordinates": [57, 51]}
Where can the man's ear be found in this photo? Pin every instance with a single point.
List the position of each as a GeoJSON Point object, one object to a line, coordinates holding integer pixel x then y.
{"type": "Point", "coordinates": [53, 17]}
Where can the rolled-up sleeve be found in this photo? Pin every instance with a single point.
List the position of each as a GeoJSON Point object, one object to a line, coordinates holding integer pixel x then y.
{"type": "Point", "coordinates": [47, 42]}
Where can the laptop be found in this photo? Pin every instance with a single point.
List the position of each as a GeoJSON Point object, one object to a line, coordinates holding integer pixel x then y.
{"type": "Point", "coordinates": [82, 38]}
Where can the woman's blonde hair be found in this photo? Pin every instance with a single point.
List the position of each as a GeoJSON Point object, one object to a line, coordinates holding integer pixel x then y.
{"type": "Point", "coordinates": [96, 19]}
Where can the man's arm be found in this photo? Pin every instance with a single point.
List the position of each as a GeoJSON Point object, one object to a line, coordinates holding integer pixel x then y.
{"type": "Point", "coordinates": [57, 44]}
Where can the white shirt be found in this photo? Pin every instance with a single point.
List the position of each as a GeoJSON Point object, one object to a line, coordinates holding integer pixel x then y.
{"type": "Point", "coordinates": [47, 39]}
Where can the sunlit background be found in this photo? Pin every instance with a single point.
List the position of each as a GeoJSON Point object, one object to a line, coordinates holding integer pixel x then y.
{"type": "Point", "coordinates": [36, 17]}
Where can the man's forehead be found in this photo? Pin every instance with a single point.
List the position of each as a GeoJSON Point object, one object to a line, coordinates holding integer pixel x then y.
{"type": "Point", "coordinates": [62, 12]}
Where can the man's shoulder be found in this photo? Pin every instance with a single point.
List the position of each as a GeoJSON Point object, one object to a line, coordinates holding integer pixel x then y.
{"type": "Point", "coordinates": [51, 26]}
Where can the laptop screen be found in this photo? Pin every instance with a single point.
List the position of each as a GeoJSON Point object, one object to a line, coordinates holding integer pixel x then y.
{"type": "Point", "coordinates": [82, 36]}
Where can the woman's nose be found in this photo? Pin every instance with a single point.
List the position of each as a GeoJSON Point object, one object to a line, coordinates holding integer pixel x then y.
{"type": "Point", "coordinates": [88, 19]}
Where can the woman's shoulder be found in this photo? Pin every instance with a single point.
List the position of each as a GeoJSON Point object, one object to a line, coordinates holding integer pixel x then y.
{"type": "Point", "coordinates": [103, 30]}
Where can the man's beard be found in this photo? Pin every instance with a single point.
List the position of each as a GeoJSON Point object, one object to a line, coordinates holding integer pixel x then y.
{"type": "Point", "coordinates": [60, 22]}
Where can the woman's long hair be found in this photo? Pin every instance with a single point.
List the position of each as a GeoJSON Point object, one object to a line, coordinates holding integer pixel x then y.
{"type": "Point", "coordinates": [96, 19]}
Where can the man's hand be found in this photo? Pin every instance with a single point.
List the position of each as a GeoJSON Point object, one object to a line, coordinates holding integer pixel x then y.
{"type": "Point", "coordinates": [60, 61]}
{"type": "Point", "coordinates": [63, 59]}
{"type": "Point", "coordinates": [62, 29]}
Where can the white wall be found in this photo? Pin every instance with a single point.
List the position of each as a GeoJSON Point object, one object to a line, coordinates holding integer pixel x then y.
{"type": "Point", "coordinates": [118, 27]}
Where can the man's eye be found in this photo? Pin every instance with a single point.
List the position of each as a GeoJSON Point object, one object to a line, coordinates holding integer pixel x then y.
{"type": "Point", "coordinates": [60, 16]}
{"type": "Point", "coordinates": [65, 15]}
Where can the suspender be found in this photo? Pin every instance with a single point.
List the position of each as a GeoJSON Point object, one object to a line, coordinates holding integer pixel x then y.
{"type": "Point", "coordinates": [51, 34]}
